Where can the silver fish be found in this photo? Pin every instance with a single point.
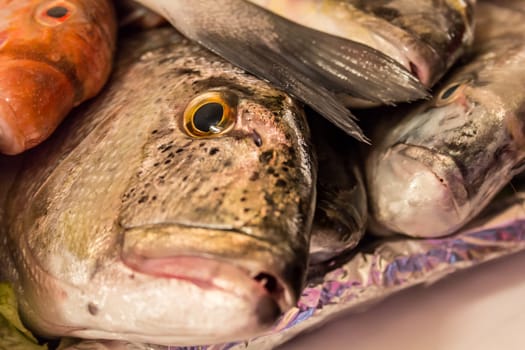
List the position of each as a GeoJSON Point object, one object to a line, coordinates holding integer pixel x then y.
{"type": "Point", "coordinates": [443, 162]}
{"type": "Point", "coordinates": [425, 36]}
{"type": "Point", "coordinates": [185, 188]}
{"type": "Point", "coordinates": [308, 64]}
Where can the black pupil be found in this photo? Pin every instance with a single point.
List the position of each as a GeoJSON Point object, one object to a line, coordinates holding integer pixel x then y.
{"type": "Point", "coordinates": [449, 91]}
{"type": "Point", "coordinates": [207, 116]}
{"type": "Point", "coordinates": [57, 12]}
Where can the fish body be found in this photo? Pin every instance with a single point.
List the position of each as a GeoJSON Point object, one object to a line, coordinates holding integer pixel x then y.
{"type": "Point", "coordinates": [425, 36]}
{"type": "Point", "coordinates": [175, 208]}
{"type": "Point", "coordinates": [53, 56]}
{"type": "Point", "coordinates": [341, 211]}
{"type": "Point", "coordinates": [439, 165]}
{"type": "Point", "coordinates": [312, 66]}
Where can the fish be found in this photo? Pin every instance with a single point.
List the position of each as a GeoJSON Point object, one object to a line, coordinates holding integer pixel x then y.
{"type": "Point", "coordinates": [425, 36]}
{"type": "Point", "coordinates": [444, 160]}
{"type": "Point", "coordinates": [312, 66]}
{"type": "Point", "coordinates": [54, 54]}
{"type": "Point", "coordinates": [174, 208]}
{"type": "Point", "coordinates": [341, 213]}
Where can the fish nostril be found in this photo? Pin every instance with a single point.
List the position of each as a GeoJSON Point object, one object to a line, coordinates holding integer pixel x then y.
{"type": "Point", "coordinates": [269, 283]}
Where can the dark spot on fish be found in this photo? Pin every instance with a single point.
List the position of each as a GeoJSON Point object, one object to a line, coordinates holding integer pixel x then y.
{"type": "Point", "coordinates": [254, 176]}
{"type": "Point", "coordinates": [143, 199]}
{"type": "Point", "coordinates": [269, 200]}
{"type": "Point", "coordinates": [167, 148]}
{"type": "Point", "coordinates": [154, 198]}
{"type": "Point", "coordinates": [171, 155]}
{"type": "Point", "coordinates": [92, 309]}
{"type": "Point", "coordinates": [270, 170]}
{"type": "Point", "coordinates": [257, 138]}
{"type": "Point", "coordinates": [285, 169]}
{"type": "Point", "coordinates": [266, 156]}
{"type": "Point", "coordinates": [213, 151]}
{"type": "Point", "coordinates": [228, 163]}
{"type": "Point", "coordinates": [167, 161]}
{"type": "Point", "coordinates": [215, 189]}
{"type": "Point", "coordinates": [154, 132]}
{"type": "Point", "coordinates": [132, 276]}
{"type": "Point", "coordinates": [179, 150]}
{"type": "Point", "coordinates": [185, 178]}
{"type": "Point", "coordinates": [243, 199]}
{"type": "Point", "coordinates": [246, 210]}
{"type": "Point", "coordinates": [288, 163]}
{"type": "Point", "coordinates": [280, 183]}
{"type": "Point", "coordinates": [202, 144]}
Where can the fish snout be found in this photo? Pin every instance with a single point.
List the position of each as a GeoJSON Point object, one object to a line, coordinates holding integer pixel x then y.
{"type": "Point", "coordinates": [241, 276]}
{"type": "Point", "coordinates": [34, 98]}
{"type": "Point", "coordinates": [418, 192]}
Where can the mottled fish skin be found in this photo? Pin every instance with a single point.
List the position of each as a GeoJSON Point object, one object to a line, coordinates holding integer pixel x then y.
{"type": "Point", "coordinates": [310, 65]}
{"type": "Point", "coordinates": [341, 211]}
{"type": "Point", "coordinates": [125, 226]}
{"type": "Point", "coordinates": [444, 161]}
{"type": "Point", "coordinates": [54, 54]}
{"type": "Point", "coordinates": [425, 36]}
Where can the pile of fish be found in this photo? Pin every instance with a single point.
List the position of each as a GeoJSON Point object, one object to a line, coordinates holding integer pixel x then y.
{"type": "Point", "coordinates": [235, 200]}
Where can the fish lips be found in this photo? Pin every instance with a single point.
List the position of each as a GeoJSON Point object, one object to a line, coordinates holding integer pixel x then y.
{"type": "Point", "coordinates": [418, 192]}
{"type": "Point", "coordinates": [249, 272]}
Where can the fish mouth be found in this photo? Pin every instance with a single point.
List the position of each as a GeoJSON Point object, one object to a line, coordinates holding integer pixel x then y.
{"type": "Point", "coordinates": [418, 192]}
{"type": "Point", "coordinates": [268, 280]}
{"type": "Point", "coordinates": [262, 289]}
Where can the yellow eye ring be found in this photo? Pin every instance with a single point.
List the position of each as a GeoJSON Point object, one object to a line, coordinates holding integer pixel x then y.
{"type": "Point", "coordinates": [210, 114]}
{"type": "Point", "coordinates": [450, 93]}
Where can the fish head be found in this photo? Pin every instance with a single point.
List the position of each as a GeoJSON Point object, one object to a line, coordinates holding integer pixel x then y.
{"type": "Point", "coordinates": [54, 54]}
{"type": "Point", "coordinates": [440, 159]}
{"type": "Point", "coordinates": [182, 217]}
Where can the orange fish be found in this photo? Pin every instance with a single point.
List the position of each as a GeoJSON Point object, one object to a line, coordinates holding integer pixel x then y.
{"type": "Point", "coordinates": [54, 54]}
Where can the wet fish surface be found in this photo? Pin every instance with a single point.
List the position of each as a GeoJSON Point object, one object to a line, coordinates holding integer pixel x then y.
{"type": "Point", "coordinates": [175, 208]}
{"type": "Point", "coordinates": [425, 36]}
{"type": "Point", "coordinates": [53, 56]}
{"type": "Point", "coordinates": [443, 162]}
{"type": "Point", "coordinates": [308, 64]}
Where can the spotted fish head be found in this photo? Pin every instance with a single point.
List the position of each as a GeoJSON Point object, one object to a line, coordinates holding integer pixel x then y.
{"type": "Point", "coordinates": [180, 204]}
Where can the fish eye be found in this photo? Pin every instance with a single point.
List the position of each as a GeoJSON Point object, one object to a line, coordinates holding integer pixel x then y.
{"type": "Point", "coordinates": [449, 92]}
{"type": "Point", "coordinates": [210, 114]}
{"type": "Point", "coordinates": [54, 13]}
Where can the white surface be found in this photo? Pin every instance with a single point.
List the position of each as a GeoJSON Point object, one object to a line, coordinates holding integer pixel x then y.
{"type": "Point", "coordinates": [482, 308]}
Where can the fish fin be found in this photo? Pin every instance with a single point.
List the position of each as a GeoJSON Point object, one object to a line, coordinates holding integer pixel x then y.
{"type": "Point", "coordinates": [269, 66]}
{"type": "Point", "coordinates": [310, 65]}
